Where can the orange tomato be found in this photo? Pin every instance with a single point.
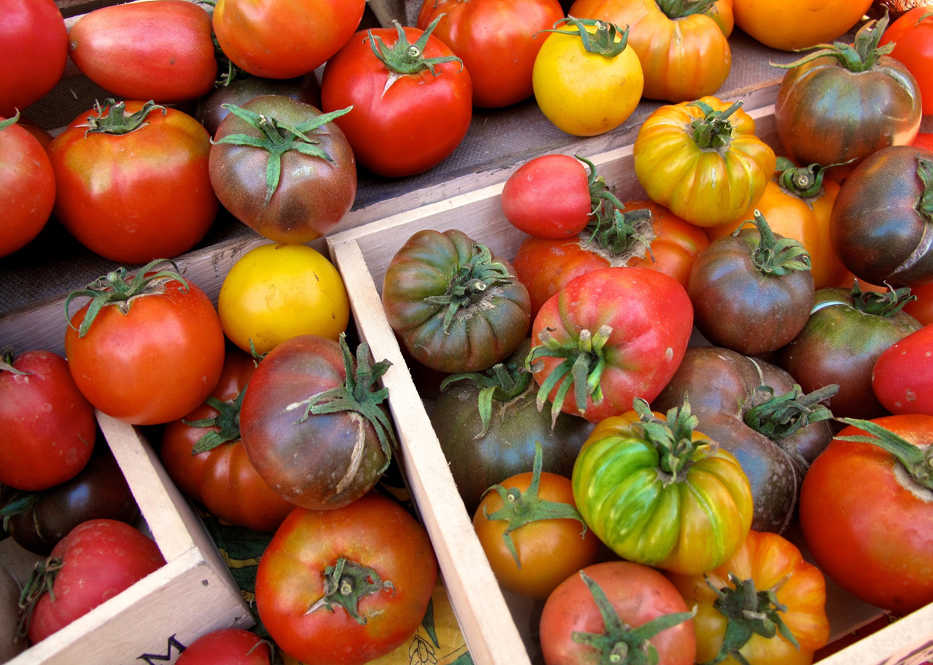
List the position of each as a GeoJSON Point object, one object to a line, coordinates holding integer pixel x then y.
{"type": "Point", "coordinates": [795, 24]}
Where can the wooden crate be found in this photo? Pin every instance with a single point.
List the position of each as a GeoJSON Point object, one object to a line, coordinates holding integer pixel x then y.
{"type": "Point", "coordinates": [496, 626]}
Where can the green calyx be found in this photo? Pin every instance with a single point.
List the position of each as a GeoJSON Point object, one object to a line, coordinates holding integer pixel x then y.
{"type": "Point", "coordinates": [916, 461]}
{"type": "Point", "coordinates": [471, 282]}
{"type": "Point", "coordinates": [675, 9]}
{"type": "Point", "coordinates": [714, 130]}
{"type": "Point", "coordinates": [774, 254]}
{"type": "Point", "coordinates": [111, 117]}
{"type": "Point", "coordinates": [784, 415]}
{"type": "Point", "coordinates": [345, 583]}
{"type": "Point", "coordinates": [584, 362]}
{"type": "Point", "coordinates": [628, 233]}
{"type": "Point", "coordinates": [360, 393]}
{"type": "Point", "coordinates": [40, 582]}
{"type": "Point", "coordinates": [885, 304]}
{"type": "Point", "coordinates": [521, 508]}
{"type": "Point", "coordinates": [748, 612]}
{"type": "Point", "coordinates": [119, 289]}
{"type": "Point", "coordinates": [805, 182]}
{"type": "Point", "coordinates": [603, 41]}
{"type": "Point", "coordinates": [225, 425]}
{"type": "Point", "coordinates": [859, 56]}
{"type": "Point", "coordinates": [6, 364]}
{"type": "Point", "coordinates": [405, 58]}
{"type": "Point", "coordinates": [672, 437]}
{"type": "Point", "coordinates": [9, 121]}
{"type": "Point", "coordinates": [621, 644]}
{"type": "Point", "coordinates": [277, 138]}
{"type": "Point", "coordinates": [925, 173]}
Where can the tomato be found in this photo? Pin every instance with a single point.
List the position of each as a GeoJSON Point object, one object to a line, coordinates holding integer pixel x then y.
{"type": "Point", "coordinates": [229, 646]}
{"type": "Point", "coordinates": [843, 103]}
{"type": "Point", "coordinates": [923, 140]}
{"type": "Point", "coordinates": [683, 47]}
{"type": "Point", "coordinates": [640, 234]}
{"type": "Point", "coordinates": [921, 308]}
{"type": "Point", "coordinates": [867, 515]}
{"type": "Point", "coordinates": [532, 533]}
{"type": "Point", "coordinates": [282, 39]}
{"type": "Point", "coordinates": [659, 492]}
{"type": "Point", "coordinates": [312, 454]}
{"type": "Point", "coordinates": [283, 168]}
{"type": "Point", "coordinates": [912, 36]}
{"type": "Point", "coordinates": [48, 426]}
{"type": "Point", "coordinates": [587, 80]}
{"type": "Point", "coordinates": [211, 110]}
{"type": "Point", "coordinates": [702, 160]}
{"type": "Point", "coordinates": [27, 186]}
{"type": "Point", "coordinates": [595, 612]}
{"type": "Point", "coordinates": [163, 48]}
{"type": "Point", "coordinates": [624, 329]}
{"type": "Point", "coordinates": [456, 307]}
{"type": "Point", "coordinates": [34, 41]}
{"type": "Point", "coordinates": [348, 585]}
{"type": "Point", "coordinates": [902, 377]}
{"type": "Point", "coordinates": [765, 605]}
{"type": "Point", "coordinates": [884, 215]}
{"type": "Point", "coordinates": [497, 40]}
{"type": "Point", "coordinates": [158, 204]}
{"type": "Point", "coordinates": [798, 23]}
{"type": "Point", "coordinates": [275, 292]}
{"type": "Point", "coordinates": [412, 98]}
{"type": "Point", "coordinates": [146, 348]}
{"type": "Point", "coordinates": [203, 454]}
{"type": "Point", "coordinates": [96, 560]}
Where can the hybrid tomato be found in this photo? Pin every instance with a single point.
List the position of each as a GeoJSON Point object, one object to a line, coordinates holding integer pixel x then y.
{"type": "Point", "coordinates": [27, 186]}
{"type": "Point", "coordinates": [34, 41]}
{"type": "Point", "coordinates": [550, 196]}
{"type": "Point", "coordinates": [902, 377]}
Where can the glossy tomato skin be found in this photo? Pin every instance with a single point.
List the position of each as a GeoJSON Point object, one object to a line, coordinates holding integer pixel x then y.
{"type": "Point", "coordinates": [867, 525]}
{"type": "Point", "coordinates": [153, 364]}
{"type": "Point", "coordinates": [902, 377]}
{"type": "Point", "coordinates": [878, 228]}
{"type": "Point", "coordinates": [912, 35]}
{"type": "Point", "coordinates": [164, 50]}
{"type": "Point", "coordinates": [34, 41]}
{"type": "Point", "coordinates": [48, 426]}
{"type": "Point", "coordinates": [100, 558]}
{"type": "Point", "coordinates": [375, 532]}
{"type": "Point", "coordinates": [798, 23]}
{"type": "Point", "coordinates": [229, 646]}
{"type": "Point", "coordinates": [223, 478]}
{"type": "Point", "coordinates": [637, 593]}
{"type": "Point", "coordinates": [210, 111]}
{"type": "Point", "coordinates": [548, 197]}
{"type": "Point", "coordinates": [313, 193]}
{"type": "Point", "coordinates": [27, 187]}
{"type": "Point", "coordinates": [404, 124]}
{"type": "Point", "coordinates": [159, 204]}
{"type": "Point", "coordinates": [497, 40]}
{"type": "Point", "coordinates": [282, 39]}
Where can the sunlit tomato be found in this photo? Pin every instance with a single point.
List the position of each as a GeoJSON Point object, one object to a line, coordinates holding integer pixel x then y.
{"type": "Point", "coordinates": [34, 43]}
{"type": "Point", "coordinates": [903, 374]}
{"type": "Point", "coordinates": [797, 24]}
{"type": "Point", "coordinates": [550, 196]}
{"type": "Point", "coordinates": [912, 35]}
{"type": "Point", "coordinates": [27, 186]}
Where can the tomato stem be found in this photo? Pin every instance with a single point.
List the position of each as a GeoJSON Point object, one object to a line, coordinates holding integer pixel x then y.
{"type": "Point", "coordinates": [783, 415]}
{"type": "Point", "coordinates": [674, 9]}
{"type": "Point", "coordinates": [860, 56]}
{"type": "Point", "coordinates": [600, 42]}
{"type": "Point", "coordinates": [345, 583]}
{"type": "Point", "coordinates": [405, 58]}
{"type": "Point", "coordinates": [917, 461]}
{"type": "Point", "coordinates": [10, 121]}
{"type": "Point", "coordinates": [116, 121]}
{"type": "Point", "coordinates": [225, 423]}
{"type": "Point", "coordinates": [886, 304]}
{"type": "Point", "coordinates": [925, 173]}
{"type": "Point", "coordinates": [672, 437]}
{"type": "Point", "coordinates": [774, 254]}
{"type": "Point", "coordinates": [41, 581]}
{"type": "Point", "coordinates": [714, 130]}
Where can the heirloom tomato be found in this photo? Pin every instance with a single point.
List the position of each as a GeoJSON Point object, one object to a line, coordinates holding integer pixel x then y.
{"type": "Point", "coordinates": [617, 607]}
{"type": "Point", "coordinates": [923, 140]}
{"type": "Point", "coordinates": [147, 348]}
{"type": "Point", "coordinates": [867, 513]}
{"type": "Point", "coordinates": [796, 24]}
{"type": "Point", "coordinates": [587, 80]}
{"type": "Point", "coordinates": [683, 47]}
{"type": "Point", "coordinates": [843, 102]}
{"type": "Point", "coordinates": [412, 98]}
{"type": "Point", "coordinates": [203, 454]}
{"type": "Point", "coordinates": [912, 35]}
{"type": "Point", "coordinates": [902, 377]}
{"type": "Point", "coordinates": [659, 492]}
{"type": "Point", "coordinates": [282, 39]}
{"type": "Point", "coordinates": [497, 40]}
{"type": "Point", "coordinates": [227, 646]}
{"type": "Point", "coordinates": [34, 41]}
{"type": "Point", "coordinates": [702, 160]}
{"type": "Point", "coordinates": [158, 204]}
{"type": "Point", "coordinates": [345, 586]}
{"type": "Point", "coordinates": [607, 337]}
{"type": "Point", "coordinates": [27, 186]}
{"type": "Point", "coordinates": [163, 48]}
{"type": "Point", "coordinates": [211, 109]}
{"type": "Point", "coordinates": [765, 605]}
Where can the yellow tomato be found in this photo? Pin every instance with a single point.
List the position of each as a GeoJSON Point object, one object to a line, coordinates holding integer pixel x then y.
{"type": "Point", "coordinates": [276, 292]}
{"type": "Point", "coordinates": [587, 86]}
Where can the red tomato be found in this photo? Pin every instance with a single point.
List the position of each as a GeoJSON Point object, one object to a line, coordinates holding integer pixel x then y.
{"type": "Point", "coordinates": [921, 308]}
{"type": "Point", "coordinates": [409, 111]}
{"type": "Point", "coordinates": [867, 521]}
{"type": "Point", "coordinates": [903, 374]}
{"type": "Point", "coordinates": [48, 426]}
{"type": "Point", "coordinates": [228, 646]}
{"type": "Point", "coordinates": [27, 186]}
{"type": "Point", "coordinates": [924, 140]}
{"type": "Point", "coordinates": [158, 204]}
{"type": "Point", "coordinates": [549, 197]}
{"type": "Point", "coordinates": [34, 43]}
{"type": "Point", "coordinates": [345, 586]}
{"type": "Point", "coordinates": [912, 35]}
{"type": "Point", "coordinates": [100, 558]}
{"type": "Point", "coordinates": [498, 41]}
{"type": "Point", "coordinates": [151, 356]}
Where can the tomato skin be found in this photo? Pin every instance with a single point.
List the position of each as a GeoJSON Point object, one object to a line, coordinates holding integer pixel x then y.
{"type": "Point", "coordinates": [923, 140]}
{"type": "Point", "coordinates": [867, 525]}
{"type": "Point", "coordinates": [159, 204]}
{"type": "Point", "coordinates": [34, 41]}
{"type": "Point", "coordinates": [412, 125]}
{"type": "Point", "coordinates": [921, 308]}
{"type": "Point", "coordinates": [902, 377]}
{"type": "Point", "coordinates": [548, 197]}
{"type": "Point", "coordinates": [27, 187]}
{"type": "Point", "coordinates": [164, 49]}
{"type": "Point", "coordinates": [210, 111]}
{"type": "Point", "coordinates": [374, 531]}
{"type": "Point", "coordinates": [497, 40]}
{"type": "Point", "coordinates": [798, 23]}
{"type": "Point", "coordinates": [637, 593]}
{"type": "Point", "coordinates": [912, 34]}
{"type": "Point", "coordinates": [48, 426]}
{"type": "Point", "coordinates": [229, 646]}
{"type": "Point", "coordinates": [282, 39]}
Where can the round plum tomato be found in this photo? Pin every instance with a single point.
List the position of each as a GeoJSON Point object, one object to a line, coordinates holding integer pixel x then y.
{"type": "Point", "coordinates": [275, 292]}
{"type": "Point", "coordinates": [227, 646]}
{"type": "Point", "coordinates": [48, 425]}
{"type": "Point", "coordinates": [902, 377]}
{"type": "Point", "coordinates": [27, 186]}
{"type": "Point", "coordinates": [34, 41]}
{"type": "Point", "coordinates": [912, 36]}
{"type": "Point", "coordinates": [147, 348]}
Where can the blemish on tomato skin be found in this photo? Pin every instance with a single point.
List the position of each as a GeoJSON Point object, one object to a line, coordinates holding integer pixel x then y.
{"type": "Point", "coordinates": [668, 354]}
